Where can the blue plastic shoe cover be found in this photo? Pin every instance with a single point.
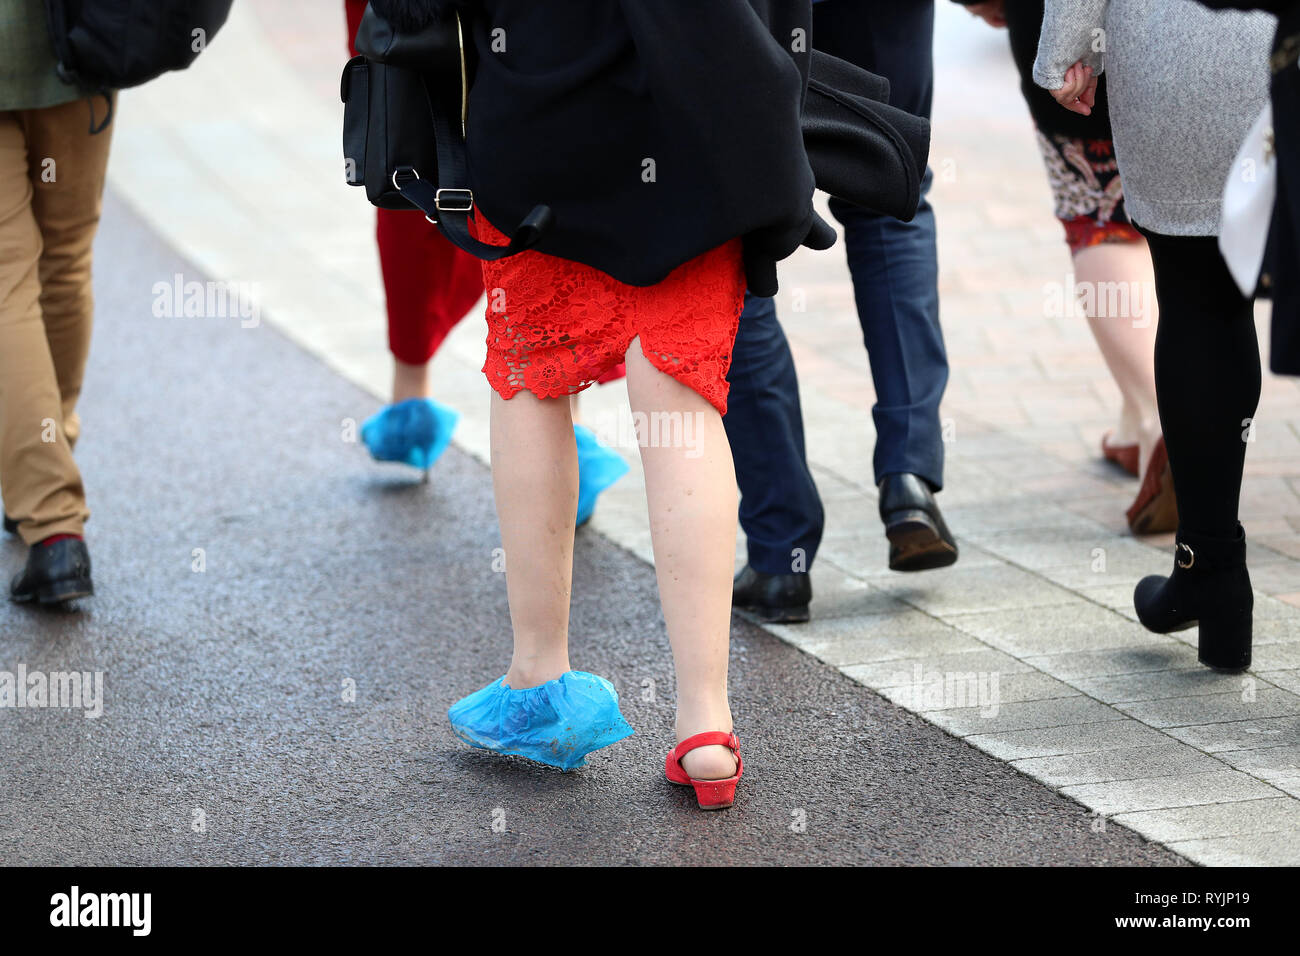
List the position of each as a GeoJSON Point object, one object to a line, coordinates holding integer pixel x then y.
{"type": "Point", "coordinates": [415, 432]}
{"type": "Point", "coordinates": [598, 468]}
{"type": "Point", "coordinates": [557, 723]}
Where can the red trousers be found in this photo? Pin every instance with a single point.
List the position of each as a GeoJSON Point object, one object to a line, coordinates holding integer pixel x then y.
{"type": "Point", "coordinates": [430, 284]}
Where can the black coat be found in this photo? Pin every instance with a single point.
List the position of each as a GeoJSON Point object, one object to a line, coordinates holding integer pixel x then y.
{"type": "Point", "coordinates": [658, 131]}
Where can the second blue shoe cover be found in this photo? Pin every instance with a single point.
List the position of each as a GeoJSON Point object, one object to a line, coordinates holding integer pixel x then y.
{"type": "Point", "coordinates": [415, 432]}
{"type": "Point", "coordinates": [598, 468]}
{"type": "Point", "coordinates": [557, 723]}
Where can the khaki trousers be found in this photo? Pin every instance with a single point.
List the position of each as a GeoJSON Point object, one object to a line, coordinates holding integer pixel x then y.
{"type": "Point", "coordinates": [51, 187]}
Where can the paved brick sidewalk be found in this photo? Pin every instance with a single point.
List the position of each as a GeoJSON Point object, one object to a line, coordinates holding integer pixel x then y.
{"type": "Point", "coordinates": [1028, 648]}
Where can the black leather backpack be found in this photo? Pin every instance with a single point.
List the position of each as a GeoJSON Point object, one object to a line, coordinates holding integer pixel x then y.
{"type": "Point", "coordinates": [405, 98]}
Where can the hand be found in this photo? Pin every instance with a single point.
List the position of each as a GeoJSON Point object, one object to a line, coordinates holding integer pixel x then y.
{"type": "Point", "coordinates": [994, 12]}
{"type": "Point", "coordinates": [1079, 94]}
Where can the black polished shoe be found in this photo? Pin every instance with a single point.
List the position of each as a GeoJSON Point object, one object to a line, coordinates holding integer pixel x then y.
{"type": "Point", "coordinates": [55, 573]}
{"type": "Point", "coordinates": [11, 526]}
{"type": "Point", "coordinates": [774, 598]}
{"type": "Point", "coordinates": [1210, 587]}
{"type": "Point", "coordinates": [918, 538]}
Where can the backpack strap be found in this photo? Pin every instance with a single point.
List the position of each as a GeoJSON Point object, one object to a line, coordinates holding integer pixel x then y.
{"type": "Point", "coordinates": [450, 203]}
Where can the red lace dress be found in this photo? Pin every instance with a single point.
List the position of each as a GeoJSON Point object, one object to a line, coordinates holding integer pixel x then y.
{"type": "Point", "coordinates": [556, 326]}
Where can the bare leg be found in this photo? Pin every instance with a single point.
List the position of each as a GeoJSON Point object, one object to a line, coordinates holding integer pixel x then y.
{"type": "Point", "coordinates": [691, 492]}
{"type": "Point", "coordinates": [1127, 341]}
{"type": "Point", "coordinates": [535, 478]}
{"type": "Point", "coordinates": [409, 381]}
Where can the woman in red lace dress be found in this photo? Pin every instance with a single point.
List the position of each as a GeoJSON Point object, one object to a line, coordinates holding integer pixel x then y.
{"type": "Point", "coordinates": [563, 326]}
{"type": "Point", "coordinates": [615, 115]}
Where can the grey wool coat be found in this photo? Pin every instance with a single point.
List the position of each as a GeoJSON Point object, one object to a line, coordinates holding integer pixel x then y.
{"type": "Point", "coordinates": [1185, 85]}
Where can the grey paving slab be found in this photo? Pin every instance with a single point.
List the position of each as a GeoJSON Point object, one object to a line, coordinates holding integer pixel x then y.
{"type": "Point", "coordinates": [985, 690]}
{"type": "Point", "coordinates": [1028, 464]}
{"type": "Point", "coordinates": [1249, 702]}
{"type": "Point", "coordinates": [990, 445]}
{"type": "Point", "coordinates": [1288, 785]}
{"type": "Point", "coordinates": [832, 486]}
{"type": "Point", "coordinates": [1077, 739]}
{"type": "Point", "coordinates": [1010, 515]}
{"type": "Point", "coordinates": [1111, 581]}
{"type": "Point", "coordinates": [877, 637]}
{"type": "Point", "coordinates": [1026, 715]}
{"type": "Point", "coordinates": [974, 488]}
{"type": "Point", "coordinates": [1117, 597]}
{"type": "Point", "coordinates": [1275, 657]}
{"type": "Point", "coordinates": [1280, 766]}
{"type": "Point", "coordinates": [1274, 631]}
{"type": "Point", "coordinates": [851, 515]}
{"type": "Point", "coordinates": [1287, 680]}
{"type": "Point", "coordinates": [1151, 653]}
{"type": "Point", "coordinates": [1263, 849]}
{"type": "Point", "coordinates": [965, 590]}
{"type": "Point", "coordinates": [1156, 685]}
{"type": "Point", "coordinates": [1054, 629]}
{"type": "Point", "coordinates": [1086, 555]}
{"type": "Point", "coordinates": [1211, 820]}
{"type": "Point", "coordinates": [1121, 764]}
{"type": "Point", "coordinates": [1274, 577]}
{"type": "Point", "coordinates": [1271, 609]}
{"type": "Point", "coordinates": [1121, 564]}
{"type": "Point", "coordinates": [903, 671]}
{"type": "Point", "coordinates": [868, 556]}
{"type": "Point", "coordinates": [1240, 734]}
{"type": "Point", "coordinates": [1178, 790]}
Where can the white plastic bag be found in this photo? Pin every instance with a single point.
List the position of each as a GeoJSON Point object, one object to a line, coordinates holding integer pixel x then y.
{"type": "Point", "coordinates": [1248, 201]}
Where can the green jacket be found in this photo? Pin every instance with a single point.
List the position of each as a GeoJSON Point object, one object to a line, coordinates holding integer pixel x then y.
{"type": "Point", "coordinates": [27, 77]}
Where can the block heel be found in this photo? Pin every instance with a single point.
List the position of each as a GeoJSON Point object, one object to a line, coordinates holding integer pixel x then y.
{"type": "Point", "coordinates": [1210, 589]}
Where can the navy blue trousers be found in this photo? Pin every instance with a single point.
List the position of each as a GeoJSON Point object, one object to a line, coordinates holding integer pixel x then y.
{"type": "Point", "coordinates": [894, 266]}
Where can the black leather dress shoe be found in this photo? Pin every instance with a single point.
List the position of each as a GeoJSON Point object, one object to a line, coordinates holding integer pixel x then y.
{"type": "Point", "coordinates": [11, 526]}
{"type": "Point", "coordinates": [774, 598]}
{"type": "Point", "coordinates": [918, 538]}
{"type": "Point", "coordinates": [55, 573]}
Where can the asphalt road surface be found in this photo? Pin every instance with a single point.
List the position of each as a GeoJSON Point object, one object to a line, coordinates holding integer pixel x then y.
{"type": "Point", "coordinates": [252, 566]}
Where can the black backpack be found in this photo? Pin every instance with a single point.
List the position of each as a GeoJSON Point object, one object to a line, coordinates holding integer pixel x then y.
{"type": "Point", "coordinates": [104, 45]}
{"type": "Point", "coordinates": [405, 97]}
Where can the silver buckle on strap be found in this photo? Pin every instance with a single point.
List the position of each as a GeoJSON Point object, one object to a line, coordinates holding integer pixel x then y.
{"type": "Point", "coordinates": [454, 200]}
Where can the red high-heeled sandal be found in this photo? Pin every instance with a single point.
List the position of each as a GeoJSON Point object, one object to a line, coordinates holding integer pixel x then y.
{"type": "Point", "coordinates": [711, 794]}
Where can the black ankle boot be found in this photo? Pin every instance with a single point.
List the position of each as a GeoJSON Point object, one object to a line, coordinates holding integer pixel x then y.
{"type": "Point", "coordinates": [1210, 587]}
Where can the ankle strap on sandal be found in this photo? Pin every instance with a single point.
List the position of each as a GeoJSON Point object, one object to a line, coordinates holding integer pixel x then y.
{"type": "Point", "coordinates": [710, 738]}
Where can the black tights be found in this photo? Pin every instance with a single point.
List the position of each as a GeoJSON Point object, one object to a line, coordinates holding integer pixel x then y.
{"type": "Point", "coordinates": [1207, 379]}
